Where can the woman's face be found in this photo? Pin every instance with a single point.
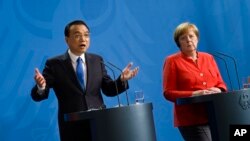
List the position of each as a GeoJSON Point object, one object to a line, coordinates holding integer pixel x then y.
{"type": "Point", "coordinates": [188, 42]}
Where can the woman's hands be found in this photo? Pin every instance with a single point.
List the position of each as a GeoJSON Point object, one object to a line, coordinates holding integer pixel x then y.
{"type": "Point", "coordinates": [211, 90]}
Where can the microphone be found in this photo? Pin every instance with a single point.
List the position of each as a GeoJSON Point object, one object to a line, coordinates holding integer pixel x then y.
{"type": "Point", "coordinates": [235, 66]}
{"type": "Point", "coordinates": [229, 78]}
{"type": "Point", "coordinates": [116, 88]}
{"type": "Point", "coordinates": [126, 86]}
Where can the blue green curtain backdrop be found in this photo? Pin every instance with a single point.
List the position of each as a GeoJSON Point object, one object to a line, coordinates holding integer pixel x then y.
{"type": "Point", "coordinates": [140, 31]}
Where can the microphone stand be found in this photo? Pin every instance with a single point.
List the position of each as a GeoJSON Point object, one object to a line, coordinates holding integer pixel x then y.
{"type": "Point", "coordinates": [226, 70]}
{"type": "Point", "coordinates": [126, 86]}
{"type": "Point", "coordinates": [237, 74]}
{"type": "Point", "coordinates": [116, 88]}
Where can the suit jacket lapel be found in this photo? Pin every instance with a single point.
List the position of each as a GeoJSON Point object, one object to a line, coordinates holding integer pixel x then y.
{"type": "Point", "coordinates": [70, 70]}
{"type": "Point", "coordinates": [88, 65]}
{"type": "Point", "coordinates": [90, 68]}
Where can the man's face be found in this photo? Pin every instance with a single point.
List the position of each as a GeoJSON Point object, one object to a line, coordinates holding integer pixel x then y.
{"type": "Point", "coordinates": [78, 40]}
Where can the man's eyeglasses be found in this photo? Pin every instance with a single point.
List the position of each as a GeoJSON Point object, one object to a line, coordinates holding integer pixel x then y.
{"type": "Point", "coordinates": [80, 36]}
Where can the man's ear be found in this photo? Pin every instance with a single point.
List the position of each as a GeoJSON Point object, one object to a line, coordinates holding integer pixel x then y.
{"type": "Point", "coordinates": [66, 39]}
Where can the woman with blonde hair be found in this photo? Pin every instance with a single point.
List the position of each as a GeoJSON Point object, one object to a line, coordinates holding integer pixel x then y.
{"type": "Point", "coordinates": [190, 73]}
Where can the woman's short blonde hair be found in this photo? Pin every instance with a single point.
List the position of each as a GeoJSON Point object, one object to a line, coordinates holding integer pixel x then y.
{"type": "Point", "coordinates": [182, 29]}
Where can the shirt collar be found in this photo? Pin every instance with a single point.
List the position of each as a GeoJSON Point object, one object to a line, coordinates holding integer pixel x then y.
{"type": "Point", "coordinates": [75, 57]}
{"type": "Point", "coordinates": [183, 55]}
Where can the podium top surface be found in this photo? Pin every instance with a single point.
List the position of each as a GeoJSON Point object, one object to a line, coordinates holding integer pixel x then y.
{"type": "Point", "coordinates": [96, 113]}
{"type": "Point", "coordinates": [211, 97]}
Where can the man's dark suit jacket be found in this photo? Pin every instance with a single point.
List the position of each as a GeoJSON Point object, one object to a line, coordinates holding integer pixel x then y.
{"type": "Point", "coordinates": [60, 76]}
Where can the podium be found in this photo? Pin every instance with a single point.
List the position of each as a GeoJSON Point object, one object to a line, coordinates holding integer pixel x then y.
{"type": "Point", "coordinates": [127, 123]}
{"type": "Point", "coordinates": [224, 109]}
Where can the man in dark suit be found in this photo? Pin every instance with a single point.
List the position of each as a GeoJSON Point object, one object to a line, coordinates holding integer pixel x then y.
{"type": "Point", "coordinates": [60, 73]}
